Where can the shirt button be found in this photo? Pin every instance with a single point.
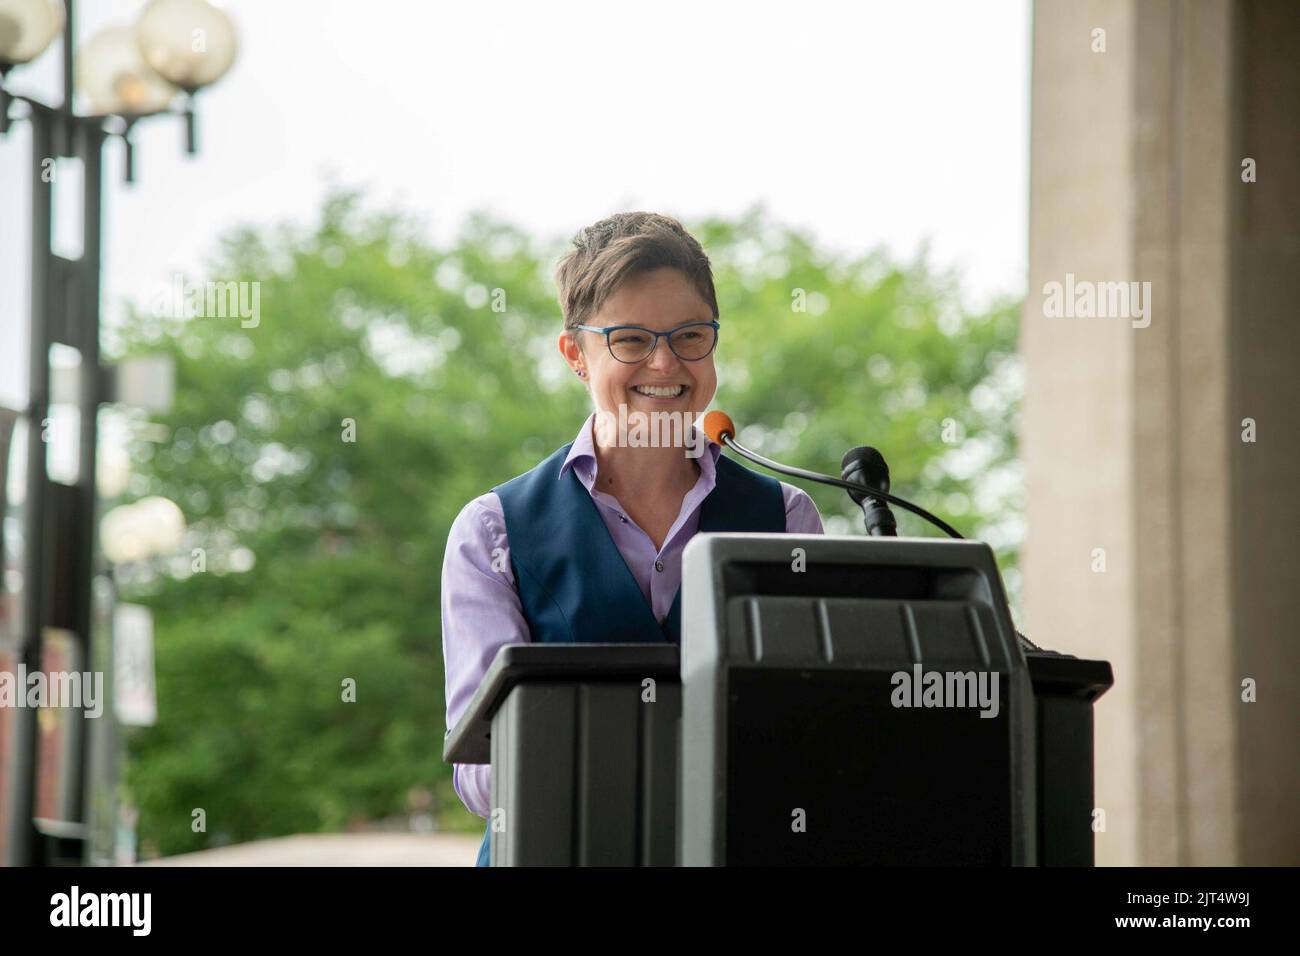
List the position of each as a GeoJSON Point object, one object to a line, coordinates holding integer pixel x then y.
{"type": "Point", "coordinates": [659, 565]}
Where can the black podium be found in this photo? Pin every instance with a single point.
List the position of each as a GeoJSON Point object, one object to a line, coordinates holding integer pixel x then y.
{"type": "Point", "coordinates": [583, 742]}
{"type": "Point", "coordinates": [801, 723]}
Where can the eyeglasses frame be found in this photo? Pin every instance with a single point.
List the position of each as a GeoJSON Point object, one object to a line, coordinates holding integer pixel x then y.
{"type": "Point", "coordinates": [714, 324]}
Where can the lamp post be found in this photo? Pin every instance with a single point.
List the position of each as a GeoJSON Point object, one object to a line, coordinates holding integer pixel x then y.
{"type": "Point", "coordinates": [124, 75]}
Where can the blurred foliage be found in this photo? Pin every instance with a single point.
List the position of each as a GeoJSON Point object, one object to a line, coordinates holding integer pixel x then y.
{"type": "Point", "coordinates": [323, 556]}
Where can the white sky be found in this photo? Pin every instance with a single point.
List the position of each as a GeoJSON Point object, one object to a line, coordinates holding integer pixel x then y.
{"type": "Point", "coordinates": [864, 123]}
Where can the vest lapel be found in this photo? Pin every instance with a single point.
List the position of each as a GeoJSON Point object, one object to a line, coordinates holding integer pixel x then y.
{"type": "Point", "coordinates": [733, 506]}
{"type": "Point", "coordinates": [574, 585]}
{"type": "Point", "coordinates": [602, 549]}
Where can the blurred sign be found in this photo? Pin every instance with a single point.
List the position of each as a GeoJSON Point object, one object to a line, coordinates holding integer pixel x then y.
{"type": "Point", "coordinates": [145, 381]}
{"type": "Point", "coordinates": [133, 687]}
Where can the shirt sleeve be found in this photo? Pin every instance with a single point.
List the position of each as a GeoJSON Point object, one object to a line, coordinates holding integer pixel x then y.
{"type": "Point", "coordinates": [481, 614]}
{"type": "Point", "coordinates": [801, 514]}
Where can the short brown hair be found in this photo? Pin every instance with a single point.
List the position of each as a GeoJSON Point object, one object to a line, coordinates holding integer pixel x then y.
{"type": "Point", "coordinates": [608, 253]}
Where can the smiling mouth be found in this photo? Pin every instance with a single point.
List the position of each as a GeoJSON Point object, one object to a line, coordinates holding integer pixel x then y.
{"type": "Point", "coordinates": [660, 391]}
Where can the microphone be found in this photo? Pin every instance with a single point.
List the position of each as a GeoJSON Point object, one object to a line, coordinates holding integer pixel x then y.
{"type": "Point", "coordinates": [721, 430]}
{"type": "Point", "coordinates": [866, 466]}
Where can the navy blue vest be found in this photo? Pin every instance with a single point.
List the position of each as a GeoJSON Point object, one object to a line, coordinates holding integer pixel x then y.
{"type": "Point", "coordinates": [573, 583]}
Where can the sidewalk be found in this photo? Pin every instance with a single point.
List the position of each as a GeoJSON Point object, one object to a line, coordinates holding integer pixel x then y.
{"type": "Point", "coordinates": [339, 849]}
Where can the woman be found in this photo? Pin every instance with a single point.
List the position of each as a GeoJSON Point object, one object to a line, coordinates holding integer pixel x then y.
{"type": "Point", "coordinates": [547, 555]}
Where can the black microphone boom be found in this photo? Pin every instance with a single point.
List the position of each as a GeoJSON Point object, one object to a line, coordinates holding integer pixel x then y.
{"type": "Point", "coordinates": [850, 486]}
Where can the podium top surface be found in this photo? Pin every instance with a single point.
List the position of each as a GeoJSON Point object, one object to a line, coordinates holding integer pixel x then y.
{"type": "Point", "coordinates": [470, 740]}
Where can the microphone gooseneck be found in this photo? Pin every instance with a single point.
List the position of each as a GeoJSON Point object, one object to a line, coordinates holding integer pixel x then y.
{"type": "Point", "coordinates": [721, 430]}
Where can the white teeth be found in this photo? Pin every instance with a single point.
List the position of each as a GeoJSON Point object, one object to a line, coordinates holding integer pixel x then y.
{"type": "Point", "coordinates": [668, 391]}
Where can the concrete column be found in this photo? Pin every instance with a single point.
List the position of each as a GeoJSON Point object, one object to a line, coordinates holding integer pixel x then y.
{"type": "Point", "coordinates": [1139, 486]}
{"type": "Point", "coordinates": [1265, 346]}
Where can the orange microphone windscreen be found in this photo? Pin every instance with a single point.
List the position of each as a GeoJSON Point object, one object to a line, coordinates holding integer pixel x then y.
{"type": "Point", "coordinates": [717, 424]}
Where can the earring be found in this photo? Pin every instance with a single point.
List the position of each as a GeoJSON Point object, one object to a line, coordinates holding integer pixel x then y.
{"type": "Point", "coordinates": [581, 373]}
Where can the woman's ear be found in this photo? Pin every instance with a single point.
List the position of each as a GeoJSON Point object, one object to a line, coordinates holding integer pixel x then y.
{"type": "Point", "coordinates": [572, 352]}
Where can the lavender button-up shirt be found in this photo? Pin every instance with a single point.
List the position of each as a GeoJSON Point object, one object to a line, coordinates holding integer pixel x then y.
{"type": "Point", "coordinates": [481, 612]}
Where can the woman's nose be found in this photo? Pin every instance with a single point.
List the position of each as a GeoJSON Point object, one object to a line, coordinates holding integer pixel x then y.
{"type": "Point", "coordinates": [662, 357]}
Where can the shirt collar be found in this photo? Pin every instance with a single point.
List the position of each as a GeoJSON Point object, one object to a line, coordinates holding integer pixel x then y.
{"type": "Point", "coordinates": [582, 456]}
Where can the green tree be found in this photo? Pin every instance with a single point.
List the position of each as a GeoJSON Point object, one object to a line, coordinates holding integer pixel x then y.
{"type": "Point", "coordinates": [322, 555]}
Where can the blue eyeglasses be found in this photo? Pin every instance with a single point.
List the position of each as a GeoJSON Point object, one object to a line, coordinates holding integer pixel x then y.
{"type": "Point", "coordinates": [632, 343]}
